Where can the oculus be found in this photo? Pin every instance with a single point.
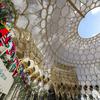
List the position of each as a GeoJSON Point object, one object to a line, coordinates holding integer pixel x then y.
{"type": "Point", "coordinates": [90, 25]}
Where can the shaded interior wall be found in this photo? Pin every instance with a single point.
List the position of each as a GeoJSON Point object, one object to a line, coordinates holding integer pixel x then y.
{"type": "Point", "coordinates": [65, 74]}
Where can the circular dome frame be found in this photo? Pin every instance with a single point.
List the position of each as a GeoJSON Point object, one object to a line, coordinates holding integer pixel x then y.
{"type": "Point", "coordinates": [59, 36]}
{"type": "Point", "coordinates": [79, 26]}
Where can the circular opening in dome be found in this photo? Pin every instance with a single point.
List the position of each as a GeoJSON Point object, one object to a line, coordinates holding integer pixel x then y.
{"type": "Point", "coordinates": [90, 25]}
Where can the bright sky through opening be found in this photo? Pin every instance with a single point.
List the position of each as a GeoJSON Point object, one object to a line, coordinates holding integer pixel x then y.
{"type": "Point", "coordinates": [90, 25]}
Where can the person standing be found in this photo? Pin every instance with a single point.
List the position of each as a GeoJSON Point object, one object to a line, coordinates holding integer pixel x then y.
{"type": "Point", "coordinates": [51, 93]}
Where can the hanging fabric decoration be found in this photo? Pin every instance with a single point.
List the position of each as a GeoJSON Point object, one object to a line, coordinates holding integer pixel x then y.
{"type": "Point", "coordinates": [7, 48]}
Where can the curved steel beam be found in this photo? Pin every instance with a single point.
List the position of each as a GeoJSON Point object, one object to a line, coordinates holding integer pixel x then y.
{"type": "Point", "coordinates": [72, 4]}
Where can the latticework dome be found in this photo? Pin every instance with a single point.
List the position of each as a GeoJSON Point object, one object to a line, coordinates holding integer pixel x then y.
{"type": "Point", "coordinates": [46, 31]}
{"type": "Point", "coordinates": [53, 25]}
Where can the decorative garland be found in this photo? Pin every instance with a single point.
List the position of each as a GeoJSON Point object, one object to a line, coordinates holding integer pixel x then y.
{"type": "Point", "coordinates": [7, 46]}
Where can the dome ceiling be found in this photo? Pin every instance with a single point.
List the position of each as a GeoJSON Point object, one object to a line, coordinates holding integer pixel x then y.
{"type": "Point", "coordinates": [53, 25]}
